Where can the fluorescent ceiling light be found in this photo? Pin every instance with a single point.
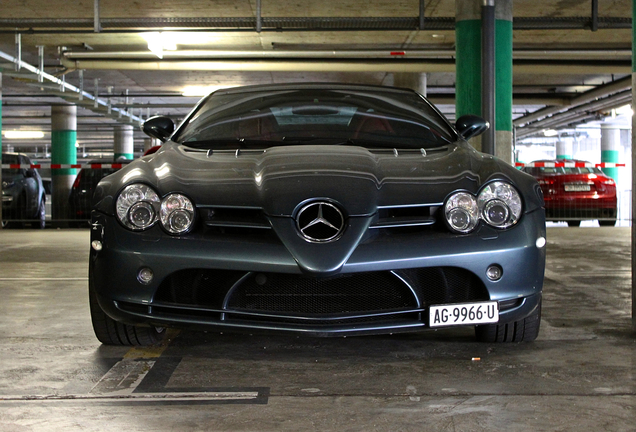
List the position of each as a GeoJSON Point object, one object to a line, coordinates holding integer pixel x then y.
{"type": "Point", "coordinates": [158, 42]}
{"type": "Point", "coordinates": [23, 134]}
{"type": "Point", "coordinates": [201, 90]}
{"type": "Point", "coordinates": [550, 132]}
{"type": "Point", "coordinates": [625, 109]}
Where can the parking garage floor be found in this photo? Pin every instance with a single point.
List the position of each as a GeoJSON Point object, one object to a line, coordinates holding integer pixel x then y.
{"type": "Point", "coordinates": [55, 376]}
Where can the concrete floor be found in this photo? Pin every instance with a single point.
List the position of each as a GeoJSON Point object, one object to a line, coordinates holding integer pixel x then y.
{"type": "Point", "coordinates": [579, 375]}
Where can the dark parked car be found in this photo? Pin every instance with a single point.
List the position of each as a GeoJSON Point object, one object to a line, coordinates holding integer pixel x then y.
{"type": "Point", "coordinates": [317, 209]}
{"type": "Point", "coordinates": [23, 196]}
{"type": "Point", "coordinates": [573, 193]}
{"type": "Point", "coordinates": [81, 197]}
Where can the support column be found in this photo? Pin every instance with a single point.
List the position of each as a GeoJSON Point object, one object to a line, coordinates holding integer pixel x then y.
{"type": "Point", "coordinates": [469, 71]}
{"type": "Point", "coordinates": [414, 81]}
{"type": "Point", "coordinates": [633, 166]}
{"type": "Point", "coordinates": [610, 147]}
{"type": "Point", "coordinates": [503, 90]}
{"type": "Point", "coordinates": [0, 143]}
{"type": "Point", "coordinates": [63, 151]}
{"type": "Point", "coordinates": [124, 144]}
{"type": "Point", "coordinates": [564, 150]}
{"type": "Point", "coordinates": [468, 60]}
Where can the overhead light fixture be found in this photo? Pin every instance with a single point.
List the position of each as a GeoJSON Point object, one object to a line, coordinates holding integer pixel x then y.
{"type": "Point", "coordinates": [201, 90]}
{"type": "Point", "coordinates": [158, 42]}
{"type": "Point", "coordinates": [625, 110]}
{"type": "Point", "coordinates": [550, 132]}
{"type": "Point", "coordinates": [23, 134]}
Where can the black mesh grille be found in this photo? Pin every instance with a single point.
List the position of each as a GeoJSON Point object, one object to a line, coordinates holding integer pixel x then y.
{"type": "Point", "coordinates": [197, 287]}
{"type": "Point", "coordinates": [346, 294]}
{"type": "Point", "coordinates": [362, 292]}
{"type": "Point", "coordinates": [440, 285]}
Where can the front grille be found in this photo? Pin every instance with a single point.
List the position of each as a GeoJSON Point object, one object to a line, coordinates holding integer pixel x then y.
{"type": "Point", "coordinates": [345, 294]}
{"type": "Point", "coordinates": [441, 285]}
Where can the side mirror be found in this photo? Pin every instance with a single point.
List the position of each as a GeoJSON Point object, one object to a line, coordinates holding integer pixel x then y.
{"type": "Point", "coordinates": [470, 126]}
{"type": "Point", "coordinates": [159, 127]}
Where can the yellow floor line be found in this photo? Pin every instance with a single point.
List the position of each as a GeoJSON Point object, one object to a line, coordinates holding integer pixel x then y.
{"type": "Point", "coordinates": [153, 351]}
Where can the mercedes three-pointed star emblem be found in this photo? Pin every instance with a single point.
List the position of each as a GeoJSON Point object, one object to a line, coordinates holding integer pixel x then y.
{"type": "Point", "coordinates": [320, 222]}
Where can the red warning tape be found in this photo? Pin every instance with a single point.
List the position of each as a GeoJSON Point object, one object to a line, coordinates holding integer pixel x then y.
{"type": "Point", "coordinates": [63, 166]}
{"type": "Point", "coordinates": [569, 165]}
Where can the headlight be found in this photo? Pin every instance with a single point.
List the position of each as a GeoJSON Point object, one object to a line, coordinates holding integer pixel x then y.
{"type": "Point", "coordinates": [137, 207]}
{"type": "Point", "coordinates": [177, 213]}
{"type": "Point", "coordinates": [499, 204]}
{"type": "Point", "coordinates": [7, 184]}
{"type": "Point", "coordinates": [462, 213]}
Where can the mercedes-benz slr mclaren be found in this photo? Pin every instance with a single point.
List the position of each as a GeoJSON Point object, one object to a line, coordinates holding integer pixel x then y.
{"type": "Point", "coordinates": [317, 209]}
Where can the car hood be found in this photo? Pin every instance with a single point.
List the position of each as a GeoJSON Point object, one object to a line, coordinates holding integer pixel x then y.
{"type": "Point", "coordinates": [280, 178]}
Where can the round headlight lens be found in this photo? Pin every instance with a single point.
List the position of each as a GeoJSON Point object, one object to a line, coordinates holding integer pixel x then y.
{"type": "Point", "coordinates": [137, 207]}
{"type": "Point", "coordinates": [142, 215]}
{"type": "Point", "coordinates": [177, 213]}
{"type": "Point", "coordinates": [500, 204]}
{"type": "Point", "coordinates": [462, 213]}
{"type": "Point", "coordinates": [496, 212]}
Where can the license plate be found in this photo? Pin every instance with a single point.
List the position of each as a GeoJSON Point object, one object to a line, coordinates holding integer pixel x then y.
{"type": "Point", "coordinates": [577, 188]}
{"type": "Point", "coordinates": [463, 314]}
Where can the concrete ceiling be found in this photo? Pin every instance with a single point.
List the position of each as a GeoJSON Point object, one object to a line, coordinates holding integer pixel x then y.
{"type": "Point", "coordinates": [557, 56]}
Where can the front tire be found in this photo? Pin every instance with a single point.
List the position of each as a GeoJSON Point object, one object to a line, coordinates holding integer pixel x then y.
{"type": "Point", "coordinates": [574, 223]}
{"type": "Point", "coordinates": [111, 332]}
{"type": "Point", "coordinates": [524, 330]}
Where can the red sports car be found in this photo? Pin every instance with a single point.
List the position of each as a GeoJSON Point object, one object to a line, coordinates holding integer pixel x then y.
{"type": "Point", "coordinates": [574, 190]}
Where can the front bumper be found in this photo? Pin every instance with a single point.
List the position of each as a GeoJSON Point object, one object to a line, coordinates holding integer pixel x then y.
{"type": "Point", "coordinates": [114, 276]}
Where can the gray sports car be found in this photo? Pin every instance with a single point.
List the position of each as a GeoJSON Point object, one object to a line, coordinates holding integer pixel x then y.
{"type": "Point", "coordinates": [316, 209]}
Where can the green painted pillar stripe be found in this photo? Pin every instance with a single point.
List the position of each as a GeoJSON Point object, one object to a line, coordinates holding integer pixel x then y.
{"type": "Point", "coordinates": [468, 67]}
{"type": "Point", "coordinates": [610, 156]}
{"type": "Point", "coordinates": [503, 65]}
{"type": "Point", "coordinates": [128, 156]}
{"type": "Point", "coordinates": [564, 156]}
{"type": "Point", "coordinates": [63, 150]}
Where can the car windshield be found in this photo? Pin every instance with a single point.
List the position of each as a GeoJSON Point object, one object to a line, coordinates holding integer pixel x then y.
{"type": "Point", "coordinates": [368, 118]}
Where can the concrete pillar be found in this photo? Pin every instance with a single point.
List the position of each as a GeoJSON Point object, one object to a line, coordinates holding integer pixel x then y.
{"type": "Point", "coordinates": [124, 144]}
{"type": "Point", "coordinates": [415, 81]}
{"type": "Point", "coordinates": [633, 166]}
{"type": "Point", "coordinates": [63, 151]}
{"type": "Point", "coordinates": [503, 92]}
{"type": "Point", "coordinates": [468, 60]}
{"type": "Point", "coordinates": [610, 148]}
{"type": "Point", "coordinates": [0, 143]}
{"type": "Point", "coordinates": [468, 69]}
{"type": "Point", "coordinates": [564, 150]}
{"type": "Point", "coordinates": [150, 143]}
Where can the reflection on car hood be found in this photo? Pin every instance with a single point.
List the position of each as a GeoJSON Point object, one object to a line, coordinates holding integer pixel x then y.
{"type": "Point", "coordinates": [281, 178]}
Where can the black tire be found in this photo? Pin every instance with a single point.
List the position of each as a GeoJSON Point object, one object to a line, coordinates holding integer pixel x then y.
{"type": "Point", "coordinates": [574, 223]}
{"type": "Point", "coordinates": [111, 332]}
{"type": "Point", "coordinates": [41, 215]}
{"type": "Point", "coordinates": [607, 222]}
{"type": "Point", "coordinates": [525, 330]}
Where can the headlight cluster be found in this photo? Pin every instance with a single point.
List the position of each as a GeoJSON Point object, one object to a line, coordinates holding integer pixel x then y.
{"type": "Point", "coordinates": [498, 204]}
{"type": "Point", "coordinates": [139, 207]}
